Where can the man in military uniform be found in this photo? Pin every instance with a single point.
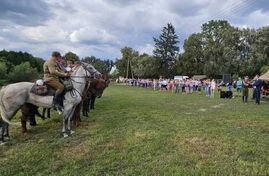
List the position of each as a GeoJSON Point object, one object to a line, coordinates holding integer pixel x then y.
{"type": "Point", "coordinates": [52, 75]}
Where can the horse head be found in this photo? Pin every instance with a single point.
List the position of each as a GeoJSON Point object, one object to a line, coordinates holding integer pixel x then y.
{"type": "Point", "coordinates": [93, 72]}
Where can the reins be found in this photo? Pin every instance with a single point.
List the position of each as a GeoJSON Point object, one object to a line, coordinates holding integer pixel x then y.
{"type": "Point", "coordinates": [87, 81]}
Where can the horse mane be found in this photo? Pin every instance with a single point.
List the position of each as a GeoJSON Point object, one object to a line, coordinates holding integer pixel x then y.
{"type": "Point", "coordinates": [75, 69]}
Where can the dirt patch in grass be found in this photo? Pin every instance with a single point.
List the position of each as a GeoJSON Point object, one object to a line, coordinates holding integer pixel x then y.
{"type": "Point", "coordinates": [114, 144]}
{"type": "Point", "coordinates": [217, 106]}
{"type": "Point", "coordinates": [246, 122]}
{"type": "Point", "coordinates": [204, 149]}
{"type": "Point", "coordinates": [75, 152]}
{"type": "Point", "coordinates": [202, 110]}
{"type": "Point", "coordinates": [142, 135]}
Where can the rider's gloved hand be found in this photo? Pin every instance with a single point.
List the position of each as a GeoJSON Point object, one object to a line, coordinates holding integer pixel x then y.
{"type": "Point", "coordinates": [68, 75]}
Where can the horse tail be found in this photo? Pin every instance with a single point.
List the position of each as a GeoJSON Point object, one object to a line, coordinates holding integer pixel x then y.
{"type": "Point", "coordinates": [2, 106]}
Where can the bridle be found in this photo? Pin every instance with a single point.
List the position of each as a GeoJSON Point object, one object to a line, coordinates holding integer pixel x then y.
{"type": "Point", "coordinates": [87, 79]}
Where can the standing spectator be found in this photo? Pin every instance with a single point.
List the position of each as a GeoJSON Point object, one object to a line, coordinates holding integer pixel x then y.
{"type": "Point", "coordinates": [245, 89]}
{"type": "Point", "coordinates": [206, 85]}
{"type": "Point", "coordinates": [212, 87]}
{"type": "Point", "coordinates": [199, 86]}
{"type": "Point", "coordinates": [164, 84]}
{"type": "Point", "coordinates": [182, 85]}
{"type": "Point", "coordinates": [177, 85]}
{"type": "Point", "coordinates": [257, 89]}
{"type": "Point", "coordinates": [155, 84]}
{"type": "Point", "coordinates": [239, 86]}
{"type": "Point", "coordinates": [187, 86]}
{"type": "Point", "coordinates": [191, 85]}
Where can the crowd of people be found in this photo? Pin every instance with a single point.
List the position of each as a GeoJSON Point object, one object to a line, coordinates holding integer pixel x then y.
{"type": "Point", "coordinates": [184, 85]}
{"type": "Point", "coordinates": [207, 86]}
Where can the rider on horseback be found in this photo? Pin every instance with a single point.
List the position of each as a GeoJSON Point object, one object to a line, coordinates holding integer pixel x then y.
{"type": "Point", "coordinates": [52, 75]}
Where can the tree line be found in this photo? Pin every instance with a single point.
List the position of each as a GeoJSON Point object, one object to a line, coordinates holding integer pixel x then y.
{"type": "Point", "coordinates": [22, 66]}
{"type": "Point", "coordinates": [219, 48]}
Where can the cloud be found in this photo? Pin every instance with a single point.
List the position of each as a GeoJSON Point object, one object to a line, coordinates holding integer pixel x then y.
{"type": "Point", "coordinates": [148, 49]}
{"type": "Point", "coordinates": [102, 27]}
{"type": "Point", "coordinates": [92, 36]}
{"type": "Point", "coordinates": [257, 18]}
{"type": "Point", "coordinates": [24, 12]}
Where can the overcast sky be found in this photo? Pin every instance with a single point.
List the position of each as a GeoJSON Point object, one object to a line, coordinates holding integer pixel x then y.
{"type": "Point", "coordinates": [102, 27]}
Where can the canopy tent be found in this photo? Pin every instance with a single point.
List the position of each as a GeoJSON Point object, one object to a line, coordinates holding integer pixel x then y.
{"type": "Point", "coordinates": [199, 77]}
{"type": "Point", "coordinates": [265, 76]}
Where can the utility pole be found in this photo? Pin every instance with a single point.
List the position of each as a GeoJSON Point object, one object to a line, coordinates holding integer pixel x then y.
{"type": "Point", "coordinates": [127, 72]}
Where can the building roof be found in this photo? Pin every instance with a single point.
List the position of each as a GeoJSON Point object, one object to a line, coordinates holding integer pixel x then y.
{"type": "Point", "coordinates": [199, 77]}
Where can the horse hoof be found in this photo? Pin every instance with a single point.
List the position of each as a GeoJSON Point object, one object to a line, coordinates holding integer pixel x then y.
{"type": "Point", "coordinates": [65, 135]}
{"type": "Point", "coordinates": [2, 143]}
{"type": "Point", "coordinates": [72, 132]}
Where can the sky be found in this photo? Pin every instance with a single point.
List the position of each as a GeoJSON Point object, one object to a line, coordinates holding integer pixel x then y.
{"type": "Point", "coordinates": [102, 27]}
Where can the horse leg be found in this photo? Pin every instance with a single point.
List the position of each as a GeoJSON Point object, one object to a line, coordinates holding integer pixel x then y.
{"type": "Point", "coordinates": [23, 125]}
{"type": "Point", "coordinates": [48, 113]}
{"type": "Point", "coordinates": [64, 131]}
{"type": "Point", "coordinates": [93, 101]}
{"type": "Point", "coordinates": [84, 103]}
{"type": "Point", "coordinates": [44, 112]}
{"type": "Point", "coordinates": [6, 132]}
{"type": "Point", "coordinates": [32, 120]}
{"type": "Point", "coordinates": [2, 128]}
{"type": "Point", "coordinates": [69, 119]}
{"type": "Point", "coordinates": [76, 115]}
{"type": "Point", "coordinates": [88, 107]}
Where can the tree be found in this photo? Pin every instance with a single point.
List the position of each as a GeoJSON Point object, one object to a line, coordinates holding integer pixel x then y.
{"type": "Point", "coordinates": [214, 33]}
{"type": "Point", "coordinates": [145, 66]}
{"type": "Point", "coordinates": [69, 56]}
{"type": "Point", "coordinates": [125, 64]}
{"type": "Point", "coordinates": [166, 50]}
{"type": "Point", "coordinates": [23, 72]}
{"type": "Point", "coordinates": [193, 59]}
{"type": "Point", "coordinates": [12, 58]}
{"type": "Point", "coordinates": [3, 70]}
{"type": "Point", "coordinates": [103, 66]}
{"type": "Point", "coordinates": [3, 73]}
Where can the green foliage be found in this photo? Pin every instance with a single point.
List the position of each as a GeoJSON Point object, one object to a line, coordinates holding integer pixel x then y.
{"type": "Point", "coordinates": [69, 56]}
{"type": "Point", "coordinates": [145, 66]}
{"type": "Point", "coordinates": [126, 62]}
{"type": "Point", "coordinates": [115, 74]}
{"type": "Point", "coordinates": [166, 50]}
{"type": "Point", "coordinates": [264, 69]}
{"type": "Point", "coordinates": [103, 66]}
{"type": "Point", "coordinates": [3, 70]}
{"type": "Point", "coordinates": [193, 60]}
{"type": "Point", "coordinates": [12, 58]}
{"type": "Point", "coordinates": [23, 72]}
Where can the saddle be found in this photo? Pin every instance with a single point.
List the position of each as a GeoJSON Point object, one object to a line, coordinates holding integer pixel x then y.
{"type": "Point", "coordinates": [42, 89]}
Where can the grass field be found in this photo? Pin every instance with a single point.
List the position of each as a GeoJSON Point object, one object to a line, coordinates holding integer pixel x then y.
{"type": "Point", "coordinates": [136, 131]}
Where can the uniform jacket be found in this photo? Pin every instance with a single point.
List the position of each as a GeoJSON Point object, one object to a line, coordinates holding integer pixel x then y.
{"type": "Point", "coordinates": [52, 70]}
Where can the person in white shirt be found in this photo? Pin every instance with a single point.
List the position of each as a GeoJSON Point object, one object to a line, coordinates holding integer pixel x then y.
{"type": "Point", "coordinates": [213, 87]}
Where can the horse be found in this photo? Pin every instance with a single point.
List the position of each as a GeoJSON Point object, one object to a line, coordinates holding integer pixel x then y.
{"type": "Point", "coordinates": [95, 89]}
{"type": "Point", "coordinates": [28, 112]}
{"type": "Point", "coordinates": [13, 96]}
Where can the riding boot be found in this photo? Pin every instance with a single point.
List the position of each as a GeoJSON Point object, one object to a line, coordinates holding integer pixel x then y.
{"type": "Point", "coordinates": [57, 102]}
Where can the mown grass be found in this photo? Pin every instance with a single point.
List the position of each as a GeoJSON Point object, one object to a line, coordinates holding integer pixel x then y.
{"type": "Point", "coordinates": [136, 131]}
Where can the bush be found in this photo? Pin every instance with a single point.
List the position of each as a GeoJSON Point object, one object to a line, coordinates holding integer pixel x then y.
{"type": "Point", "coordinates": [23, 72]}
{"type": "Point", "coordinates": [3, 70]}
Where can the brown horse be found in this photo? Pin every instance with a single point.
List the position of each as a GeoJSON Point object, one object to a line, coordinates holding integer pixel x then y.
{"type": "Point", "coordinates": [95, 89]}
{"type": "Point", "coordinates": [28, 112]}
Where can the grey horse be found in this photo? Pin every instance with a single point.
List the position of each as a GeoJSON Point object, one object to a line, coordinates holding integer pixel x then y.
{"type": "Point", "coordinates": [13, 96]}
